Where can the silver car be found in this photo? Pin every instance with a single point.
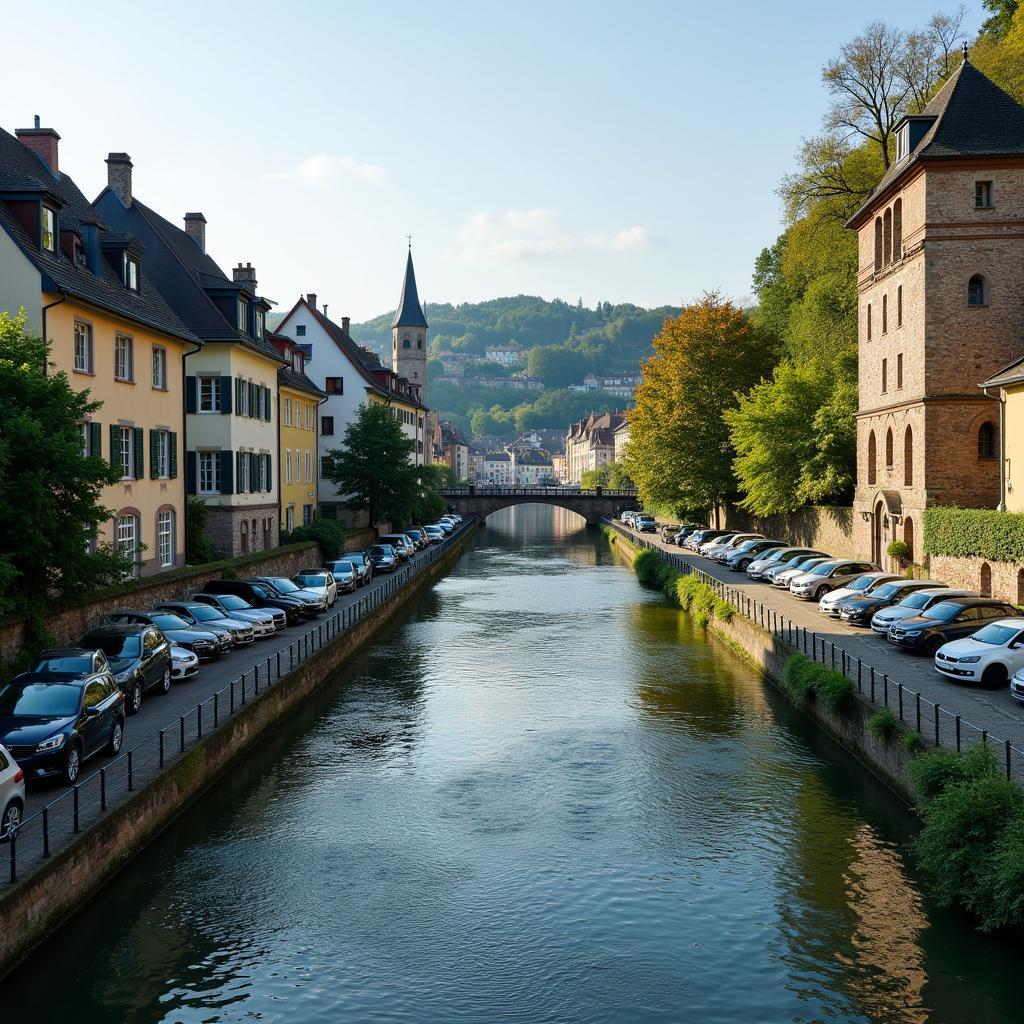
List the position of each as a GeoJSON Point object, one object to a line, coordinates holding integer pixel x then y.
{"type": "Point", "coordinates": [814, 585]}
{"type": "Point", "coordinates": [833, 600]}
{"type": "Point", "coordinates": [234, 607]}
{"type": "Point", "coordinates": [913, 605]}
{"type": "Point", "coordinates": [722, 551]}
{"type": "Point", "coordinates": [12, 795]}
{"type": "Point", "coordinates": [756, 570]}
{"type": "Point", "coordinates": [780, 575]}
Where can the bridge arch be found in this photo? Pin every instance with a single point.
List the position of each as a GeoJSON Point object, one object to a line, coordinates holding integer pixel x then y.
{"type": "Point", "coordinates": [591, 505]}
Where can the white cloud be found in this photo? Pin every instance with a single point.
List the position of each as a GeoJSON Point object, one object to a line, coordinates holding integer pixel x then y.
{"type": "Point", "coordinates": [516, 250]}
{"type": "Point", "coordinates": [484, 225]}
{"type": "Point", "coordinates": [636, 237]}
{"type": "Point", "coordinates": [316, 170]}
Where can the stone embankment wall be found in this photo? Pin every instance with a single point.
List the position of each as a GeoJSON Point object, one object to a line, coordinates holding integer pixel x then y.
{"type": "Point", "coordinates": [826, 528]}
{"type": "Point", "coordinates": [1004, 580]}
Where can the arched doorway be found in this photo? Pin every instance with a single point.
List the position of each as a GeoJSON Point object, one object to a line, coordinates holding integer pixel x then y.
{"type": "Point", "coordinates": [1020, 586]}
{"type": "Point", "coordinates": [877, 541]}
{"type": "Point", "coordinates": [985, 583]}
{"type": "Point", "coordinates": [908, 538]}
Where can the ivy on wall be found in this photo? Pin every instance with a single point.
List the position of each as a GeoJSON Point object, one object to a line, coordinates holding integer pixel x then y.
{"type": "Point", "coordinates": [974, 532]}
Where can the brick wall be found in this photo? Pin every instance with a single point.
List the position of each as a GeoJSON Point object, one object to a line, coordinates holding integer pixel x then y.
{"type": "Point", "coordinates": [829, 529]}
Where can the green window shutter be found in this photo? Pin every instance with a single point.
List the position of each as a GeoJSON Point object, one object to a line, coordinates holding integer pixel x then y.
{"type": "Point", "coordinates": [252, 399]}
{"type": "Point", "coordinates": [154, 454]}
{"type": "Point", "coordinates": [239, 456]}
{"type": "Point", "coordinates": [227, 476]}
{"type": "Point", "coordinates": [267, 485]}
{"type": "Point", "coordinates": [140, 456]}
{"type": "Point", "coordinates": [191, 471]}
{"type": "Point", "coordinates": [172, 444]}
{"type": "Point", "coordinates": [115, 446]}
{"type": "Point", "coordinates": [95, 439]}
{"type": "Point", "coordinates": [239, 384]}
{"type": "Point", "coordinates": [190, 394]}
{"type": "Point", "coordinates": [254, 469]}
{"type": "Point", "coordinates": [270, 398]}
{"type": "Point", "coordinates": [225, 397]}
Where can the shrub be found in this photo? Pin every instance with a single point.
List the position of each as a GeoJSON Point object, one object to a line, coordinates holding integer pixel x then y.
{"type": "Point", "coordinates": [645, 565]}
{"type": "Point", "coordinates": [979, 532]}
{"type": "Point", "coordinates": [724, 611]}
{"type": "Point", "coordinates": [328, 533]}
{"type": "Point", "coordinates": [198, 550]}
{"type": "Point", "coordinates": [933, 773]}
{"type": "Point", "coordinates": [798, 677]}
{"type": "Point", "coordinates": [912, 743]}
{"type": "Point", "coordinates": [898, 549]}
{"type": "Point", "coordinates": [834, 691]}
{"type": "Point", "coordinates": [1008, 875]}
{"type": "Point", "coordinates": [883, 724]}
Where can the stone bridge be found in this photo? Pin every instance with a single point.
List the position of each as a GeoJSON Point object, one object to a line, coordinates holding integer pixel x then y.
{"type": "Point", "coordinates": [482, 501]}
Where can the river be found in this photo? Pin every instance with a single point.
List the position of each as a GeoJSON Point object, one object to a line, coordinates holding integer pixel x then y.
{"type": "Point", "coordinates": [539, 796]}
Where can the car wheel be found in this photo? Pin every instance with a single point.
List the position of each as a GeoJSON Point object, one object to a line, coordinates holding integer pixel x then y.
{"type": "Point", "coordinates": [820, 593]}
{"type": "Point", "coordinates": [993, 676]}
{"type": "Point", "coordinates": [742, 565]}
{"type": "Point", "coordinates": [165, 682]}
{"type": "Point", "coordinates": [931, 647]}
{"type": "Point", "coordinates": [116, 738]}
{"type": "Point", "coordinates": [72, 765]}
{"type": "Point", "coordinates": [11, 821]}
{"type": "Point", "coordinates": [135, 697]}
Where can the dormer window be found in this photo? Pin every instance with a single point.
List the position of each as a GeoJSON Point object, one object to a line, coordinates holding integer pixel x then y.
{"type": "Point", "coordinates": [130, 272]}
{"type": "Point", "coordinates": [297, 362]}
{"type": "Point", "coordinates": [243, 310]}
{"type": "Point", "coordinates": [261, 319]}
{"type": "Point", "coordinates": [903, 142]}
{"type": "Point", "coordinates": [48, 234]}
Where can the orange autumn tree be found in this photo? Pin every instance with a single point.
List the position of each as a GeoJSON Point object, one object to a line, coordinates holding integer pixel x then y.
{"type": "Point", "coordinates": [679, 452]}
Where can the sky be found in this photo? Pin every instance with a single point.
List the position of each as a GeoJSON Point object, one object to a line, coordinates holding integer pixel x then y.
{"type": "Point", "coordinates": [596, 150]}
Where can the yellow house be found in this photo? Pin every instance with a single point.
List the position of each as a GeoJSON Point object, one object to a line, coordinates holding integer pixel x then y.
{"type": "Point", "coordinates": [1008, 386]}
{"type": "Point", "coordinates": [111, 332]}
{"type": "Point", "coordinates": [298, 417]}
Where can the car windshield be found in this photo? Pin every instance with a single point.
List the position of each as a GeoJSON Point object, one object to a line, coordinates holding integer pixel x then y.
{"type": "Point", "coordinates": [66, 663]}
{"type": "Point", "coordinates": [767, 556]}
{"type": "Point", "coordinates": [917, 600]}
{"type": "Point", "coordinates": [790, 556]}
{"type": "Point", "coordinates": [889, 590]}
{"type": "Point", "coordinates": [313, 580]}
{"type": "Point", "coordinates": [116, 646]}
{"type": "Point", "coordinates": [943, 611]}
{"type": "Point", "coordinates": [358, 559]}
{"type": "Point", "coordinates": [747, 545]}
{"type": "Point", "coordinates": [344, 567]}
{"type": "Point", "coordinates": [204, 613]}
{"type": "Point", "coordinates": [232, 602]}
{"type": "Point", "coordinates": [996, 634]}
{"type": "Point", "coordinates": [383, 549]}
{"type": "Point", "coordinates": [58, 699]}
{"type": "Point", "coordinates": [861, 583]}
{"type": "Point", "coordinates": [165, 620]}
{"type": "Point", "coordinates": [284, 586]}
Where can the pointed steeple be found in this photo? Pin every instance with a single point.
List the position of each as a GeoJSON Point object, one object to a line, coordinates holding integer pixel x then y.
{"type": "Point", "coordinates": [409, 312]}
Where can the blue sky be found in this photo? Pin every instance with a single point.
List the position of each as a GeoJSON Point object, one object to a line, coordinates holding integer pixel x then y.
{"type": "Point", "coordinates": [597, 150]}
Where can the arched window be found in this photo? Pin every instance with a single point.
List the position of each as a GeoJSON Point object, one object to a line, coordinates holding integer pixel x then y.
{"type": "Point", "coordinates": [1020, 586]}
{"type": "Point", "coordinates": [419, 343]}
{"type": "Point", "coordinates": [897, 230]}
{"type": "Point", "coordinates": [127, 534]}
{"type": "Point", "coordinates": [985, 581]}
{"type": "Point", "coordinates": [888, 449]}
{"type": "Point", "coordinates": [908, 537]}
{"type": "Point", "coordinates": [165, 537]}
{"type": "Point", "coordinates": [871, 457]}
{"type": "Point", "coordinates": [987, 441]}
{"type": "Point", "coordinates": [887, 238]}
{"type": "Point", "coordinates": [976, 291]}
{"type": "Point", "coordinates": [908, 458]}
{"type": "Point", "coordinates": [406, 343]}
{"type": "Point", "coordinates": [878, 243]}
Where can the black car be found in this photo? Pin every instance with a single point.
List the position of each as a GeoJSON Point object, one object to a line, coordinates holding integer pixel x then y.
{"type": "Point", "coordinates": [203, 643]}
{"type": "Point", "coordinates": [52, 721]}
{"type": "Point", "coordinates": [286, 612]}
{"type": "Point", "coordinates": [859, 611]}
{"type": "Point", "coordinates": [139, 656]}
{"type": "Point", "coordinates": [202, 615]}
{"type": "Point", "coordinates": [382, 557]}
{"type": "Point", "coordinates": [282, 587]}
{"type": "Point", "coordinates": [76, 661]}
{"type": "Point", "coordinates": [346, 574]}
{"type": "Point", "coordinates": [361, 562]}
{"type": "Point", "coordinates": [947, 620]}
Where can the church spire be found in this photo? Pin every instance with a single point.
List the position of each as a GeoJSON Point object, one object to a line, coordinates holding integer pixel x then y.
{"type": "Point", "coordinates": [409, 312]}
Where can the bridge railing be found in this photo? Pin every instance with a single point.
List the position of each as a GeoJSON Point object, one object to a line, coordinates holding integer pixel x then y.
{"type": "Point", "coordinates": [547, 492]}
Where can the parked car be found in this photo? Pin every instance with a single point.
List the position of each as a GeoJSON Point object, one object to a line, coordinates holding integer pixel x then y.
{"type": "Point", "coordinates": [263, 598]}
{"type": "Point", "coordinates": [382, 557]}
{"type": "Point", "coordinates": [723, 550]}
{"type": "Point", "coordinates": [831, 575]}
{"type": "Point", "coordinates": [362, 563]}
{"type": "Point", "coordinates": [434, 533]}
{"type": "Point", "coordinates": [52, 722]}
{"type": "Point", "coordinates": [859, 611]}
{"type": "Point", "coordinates": [780, 576]}
{"type": "Point", "coordinates": [913, 605]}
{"type": "Point", "coordinates": [831, 603]}
{"type": "Point", "coordinates": [780, 556]}
{"type": "Point", "coordinates": [12, 795]}
{"type": "Point", "coordinates": [210, 618]}
{"type": "Point", "coordinates": [139, 656]}
{"type": "Point", "coordinates": [991, 655]}
{"type": "Point", "coordinates": [318, 581]}
{"type": "Point", "coordinates": [708, 546]}
{"type": "Point", "coordinates": [201, 642]}
{"type": "Point", "coordinates": [312, 602]}
{"type": "Point", "coordinates": [668, 534]}
{"type": "Point", "coordinates": [947, 620]}
{"type": "Point", "coordinates": [698, 537]}
{"type": "Point", "coordinates": [1017, 685]}
{"type": "Point", "coordinates": [77, 661]}
{"type": "Point", "coordinates": [404, 547]}
{"type": "Point", "coordinates": [741, 557]}
{"type": "Point", "coordinates": [184, 663]}
{"type": "Point", "coordinates": [346, 573]}
{"type": "Point", "coordinates": [418, 538]}
{"type": "Point", "coordinates": [627, 516]}
{"type": "Point", "coordinates": [446, 525]}
{"type": "Point", "coordinates": [235, 607]}
{"type": "Point", "coordinates": [685, 531]}
{"type": "Point", "coordinates": [644, 523]}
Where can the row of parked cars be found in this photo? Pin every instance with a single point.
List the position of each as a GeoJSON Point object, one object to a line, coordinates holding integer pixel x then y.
{"type": "Point", "coordinates": [392, 549]}
{"type": "Point", "coordinates": [970, 637]}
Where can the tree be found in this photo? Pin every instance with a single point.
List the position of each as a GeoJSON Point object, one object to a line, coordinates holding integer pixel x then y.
{"type": "Point", "coordinates": [373, 466]}
{"type": "Point", "coordinates": [198, 548]}
{"type": "Point", "coordinates": [50, 492]}
{"type": "Point", "coordinates": [429, 505]}
{"type": "Point", "coordinates": [1000, 17]}
{"type": "Point", "coordinates": [680, 453]}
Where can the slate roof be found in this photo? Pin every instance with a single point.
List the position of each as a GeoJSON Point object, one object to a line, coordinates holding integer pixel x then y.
{"type": "Point", "coordinates": [1012, 374]}
{"type": "Point", "coordinates": [409, 312]}
{"type": "Point", "coordinates": [294, 379]}
{"type": "Point", "coordinates": [22, 171]}
{"type": "Point", "coordinates": [451, 433]}
{"type": "Point", "coordinates": [973, 118]}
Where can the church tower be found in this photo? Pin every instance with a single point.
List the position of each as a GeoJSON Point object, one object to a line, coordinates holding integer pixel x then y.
{"type": "Point", "coordinates": [409, 334]}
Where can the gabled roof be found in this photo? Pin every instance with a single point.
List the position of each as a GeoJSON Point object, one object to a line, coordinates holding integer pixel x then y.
{"type": "Point", "coordinates": [1012, 374]}
{"type": "Point", "coordinates": [22, 171]}
{"type": "Point", "coordinates": [971, 118]}
{"type": "Point", "coordinates": [409, 312]}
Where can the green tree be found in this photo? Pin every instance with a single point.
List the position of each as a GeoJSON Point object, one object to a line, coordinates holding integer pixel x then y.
{"type": "Point", "coordinates": [198, 548]}
{"type": "Point", "coordinates": [373, 466]}
{"type": "Point", "coordinates": [429, 504]}
{"type": "Point", "coordinates": [50, 504]}
{"type": "Point", "coordinates": [556, 367]}
{"type": "Point", "coordinates": [680, 452]}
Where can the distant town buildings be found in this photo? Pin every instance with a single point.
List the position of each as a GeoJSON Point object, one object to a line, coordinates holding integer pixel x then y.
{"type": "Point", "coordinates": [590, 444]}
{"type": "Point", "coordinates": [622, 385]}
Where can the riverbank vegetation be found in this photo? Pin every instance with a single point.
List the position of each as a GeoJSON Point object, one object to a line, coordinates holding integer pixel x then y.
{"type": "Point", "coordinates": [685, 590]}
{"type": "Point", "coordinates": [804, 679]}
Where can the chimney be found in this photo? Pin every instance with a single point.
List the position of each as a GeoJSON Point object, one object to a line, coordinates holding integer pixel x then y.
{"type": "Point", "coordinates": [245, 276]}
{"type": "Point", "coordinates": [311, 299]}
{"type": "Point", "coordinates": [345, 321]}
{"type": "Point", "coordinates": [119, 176]}
{"type": "Point", "coordinates": [195, 228]}
{"type": "Point", "coordinates": [42, 142]}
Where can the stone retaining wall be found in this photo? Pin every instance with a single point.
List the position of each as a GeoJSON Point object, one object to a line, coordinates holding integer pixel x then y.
{"type": "Point", "coordinates": [827, 528]}
{"type": "Point", "coordinates": [1004, 580]}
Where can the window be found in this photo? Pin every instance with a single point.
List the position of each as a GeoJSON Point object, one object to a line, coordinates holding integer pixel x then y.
{"type": "Point", "coordinates": [83, 348]}
{"type": "Point", "coordinates": [128, 538]}
{"type": "Point", "coordinates": [287, 465]}
{"type": "Point", "coordinates": [165, 537]}
{"type": "Point", "coordinates": [289, 518]}
{"type": "Point", "coordinates": [244, 482]}
{"type": "Point", "coordinates": [307, 515]}
{"type": "Point", "coordinates": [885, 314]}
{"type": "Point", "coordinates": [130, 272]}
{"type": "Point", "coordinates": [242, 405]}
{"type": "Point", "coordinates": [869, 321]}
{"type": "Point", "coordinates": [300, 330]}
{"type": "Point", "coordinates": [309, 466]}
{"type": "Point", "coordinates": [127, 452]}
{"type": "Point", "coordinates": [335, 385]}
{"type": "Point", "coordinates": [871, 457]}
{"type": "Point", "coordinates": [83, 429]}
{"type": "Point", "coordinates": [327, 426]}
{"type": "Point", "coordinates": [209, 394]}
{"type": "Point", "coordinates": [242, 313]}
{"type": "Point", "coordinates": [878, 244]}
{"type": "Point", "coordinates": [297, 363]}
{"type": "Point", "coordinates": [887, 238]}
{"type": "Point", "coordinates": [885, 376]}
{"type": "Point", "coordinates": [903, 142]}
{"type": "Point", "coordinates": [209, 472]}
{"type": "Point", "coordinates": [897, 230]}
{"type": "Point", "coordinates": [406, 343]}
{"type": "Point", "coordinates": [48, 235]}
{"type": "Point", "coordinates": [976, 291]}
{"type": "Point", "coordinates": [908, 458]}
{"type": "Point", "coordinates": [160, 454]}
{"type": "Point", "coordinates": [982, 195]}
{"type": "Point", "coordinates": [899, 370]}
{"type": "Point", "coordinates": [261, 319]}
{"type": "Point", "coordinates": [888, 449]}
{"type": "Point", "coordinates": [287, 412]}
{"type": "Point", "coordinates": [987, 441]}
{"type": "Point", "coordinates": [123, 362]}
{"type": "Point", "coordinates": [160, 368]}
{"type": "Point", "coordinates": [899, 306]}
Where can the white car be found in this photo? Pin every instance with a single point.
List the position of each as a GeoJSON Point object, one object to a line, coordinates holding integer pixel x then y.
{"type": "Point", "coordinates": [780, 575]}
{"type": "Point", "coordinates": [831, 575]}
{"type": "Point", "coordinates": [707, 549]}
{"type": "Point", "coordinates": [725, 546]}
{"type": "Point", "coordinates": [756, 569]}
{"type": "Point", "coordinates": [318, 581]}
{"type": "Point", "coordinates": [184, 664]}
{"type": "Point", "coordinates": [990, 656]}
{"type": "Point", "coordinates": [832, 601]}
{"type": "Point", "coordinates": [913, 605]}
{"type": "Point", "coordinates": [12, 795]}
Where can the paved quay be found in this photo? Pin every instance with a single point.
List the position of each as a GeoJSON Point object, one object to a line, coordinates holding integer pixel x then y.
{"type": "Point", "coordinates": [993, 712]}
{"type": "Point", "coordinates": [168, 726]}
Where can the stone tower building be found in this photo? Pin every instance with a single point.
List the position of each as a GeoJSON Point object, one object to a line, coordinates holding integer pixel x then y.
{"type": "Point", "coordinates": [941, 308]}
{"type": "Point", "coordinates": [409, 334]}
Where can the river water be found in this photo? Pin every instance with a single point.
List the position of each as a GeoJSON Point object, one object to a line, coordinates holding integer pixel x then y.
{"type": "Point", "coordinates": [539, 796]}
